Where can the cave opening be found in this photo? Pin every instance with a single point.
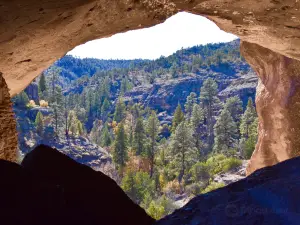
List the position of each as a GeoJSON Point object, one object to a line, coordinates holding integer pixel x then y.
{"type": "Point", "coordinates": [126, 105]}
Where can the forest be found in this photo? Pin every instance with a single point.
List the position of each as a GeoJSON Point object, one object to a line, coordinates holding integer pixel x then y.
{"type": "Point", "coordinates": [154, 161]}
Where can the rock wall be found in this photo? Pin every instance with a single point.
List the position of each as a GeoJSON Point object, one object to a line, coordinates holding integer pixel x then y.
{"type": "Point", "coordinates": [8, 132]}
{"type": "Point", "coordinates": [278, 106]}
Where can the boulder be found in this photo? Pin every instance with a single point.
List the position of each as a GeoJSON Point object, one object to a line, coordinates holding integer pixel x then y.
{"type": "Point", "coordinates": [50, 188]}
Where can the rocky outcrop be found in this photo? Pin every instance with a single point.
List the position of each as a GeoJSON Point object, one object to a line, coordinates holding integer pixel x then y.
{"type": "Point", "coordinates": [277, 102]}
{"type": "Point", "coordinates": [268, 196]}
{"type": "Point", "coordinates": [8, 132]}
{"type": "Point", "coordinates": [50, 188]}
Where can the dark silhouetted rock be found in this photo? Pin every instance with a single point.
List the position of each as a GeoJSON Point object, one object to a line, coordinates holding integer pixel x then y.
{"type": "Point", "coordinates": [50, 188]}
{"type": "Point", "coordinates": [269, 196]}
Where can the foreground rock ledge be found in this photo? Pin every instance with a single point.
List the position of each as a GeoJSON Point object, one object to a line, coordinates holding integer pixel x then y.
{"type": "Point", "coordinates": [268, 196]}
{"type": "Point", "coordinates": [50, 188]}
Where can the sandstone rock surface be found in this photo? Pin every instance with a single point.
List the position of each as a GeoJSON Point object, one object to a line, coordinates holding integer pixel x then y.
{"type": "Point", "coordinates": [277, 101]}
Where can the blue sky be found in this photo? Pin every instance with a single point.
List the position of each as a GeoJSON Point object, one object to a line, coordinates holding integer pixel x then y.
{"type": "Point", "coordinates": [181, 30]}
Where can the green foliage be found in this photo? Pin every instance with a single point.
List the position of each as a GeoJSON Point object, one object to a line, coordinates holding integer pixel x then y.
{"type": "Point", "coordinates": [199, 128]}
{"type": "Point", "coordinates": [39, 123]}
{"type": "Point", "coordinates": [209, 100]}
{"type": "Point", "coordinates": [235, 107]}
{"type": "Point", "coordinates": [225, 132]}
{"type": "Point", "coordinates": [120, 154]}
{"type": "Point", "coordinates": [248, 144]}
{"type": "Point", "coordinates": [21, 100]}
{"type": "Point", "coordinates": [183, 148]}
{"type": "Point", "coordinates": [138, 186]}
{"type": "Point", "coordinates": [139, 137]}
{"type": "Point", "coordinates": [152, 130]}
{"type": "Point", "coordinates": [221, 164]}
{"type": "Point", "coordinates": [42, 84]}
{"type": "Point", "coordinates": [120, 110]}
{"type": "Point", "coordinates": [156, 211]}
{"type": "Point", "coordinates": [106, 139]}
{"type": "Point", "coordinates": [200, 172]}
{"type": "Point", "coordinates": [177, 118]}
{"type": "Point", "coordinates": [212, 186]}
{"type": "Point", "coordinates": [248, 118]}
{"type": "Point", "coordinates": [191, 100]}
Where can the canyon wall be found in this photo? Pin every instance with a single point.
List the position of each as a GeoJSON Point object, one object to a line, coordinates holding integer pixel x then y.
{"type": "Point", "coordinates": [35, 33]}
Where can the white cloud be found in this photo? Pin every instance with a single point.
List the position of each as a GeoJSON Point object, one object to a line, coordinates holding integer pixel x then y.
{"type": "Point", "coordinates": [181, 30]}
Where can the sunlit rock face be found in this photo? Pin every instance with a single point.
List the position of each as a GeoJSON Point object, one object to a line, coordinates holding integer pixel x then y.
{"type": "Point", "coordinates": [8, 132]}
{"type": "Point", "coordinates": [278, 106]}
{"type": "Point", "coordinates": [35, 33]}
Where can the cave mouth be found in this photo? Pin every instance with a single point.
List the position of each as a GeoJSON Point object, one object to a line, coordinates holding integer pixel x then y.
{"type": "Point", "coordinates": [136, 104]}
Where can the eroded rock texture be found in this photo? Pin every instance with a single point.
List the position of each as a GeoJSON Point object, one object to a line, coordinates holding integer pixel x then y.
{"type": "Point", "coordinates": [8, 132]}
{"type": "Point", "coordinates": [278, 106]}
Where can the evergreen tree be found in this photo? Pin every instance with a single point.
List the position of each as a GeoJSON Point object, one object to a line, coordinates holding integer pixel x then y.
{"type": "Point", "coordinates": [120, 154]}
{"type": "Point", "coordinates": [58, 105]}
{"type": "Point", "coordinates": [39, 123]}
{"type": "Point", "coordinates": [183, 148]}
{"type": "Point", "coordinates": [247, 119]}
{"type": "Point", "coordinates": [197, 122]}
{"type": "Point", "coordinates": [248, 145]}
{"type": "Point", "coordinates": [225, 132]}
{"type": "Point", "coordinates": [21, 100]}
{"type": "Point", "coordinates": [139, 136]}
{"type": "Point", "coordinates": [152, 132]}
{"type": "Point", "coordinates": [190, 101]}
{"type": "Point", "coordinates": [177, 118]}
{"type": "Point", "coordinates": [105, 137]}
{"type": "Point", "coordinates": [105, 109]}
{"type": "Point", "coordinates": [209, 100]}
{"type": "Point", "coordinates": [235, 106]}
{"type": "Point", "coordinates": [42, 87]}
{"type": "Point", "coordinates": [79, 128]}
{"type": "Point", "coordinates": [119, 111]}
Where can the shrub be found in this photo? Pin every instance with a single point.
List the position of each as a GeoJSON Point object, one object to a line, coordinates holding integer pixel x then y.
{"type": "Point", "coordinates": [200, 172]}
{"type": "Point", "coordinates": [44, 104]}
{"type": "Point", "coordinates": [212, 186]}
{"type": "Point", "coordinates": [156, 211]}
{"type": "Point", "coordinates": [172, 186]}
{"type": "Point", "coordinates": [193, 189]}
{"type": "Point", "coordinates": [231, 163]}
{"type": "Point", "coordinates": [31, 104]}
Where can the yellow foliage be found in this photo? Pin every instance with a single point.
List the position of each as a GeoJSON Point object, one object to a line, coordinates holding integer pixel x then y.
{"type": "Point", "coordinates": [31, 104]}
{"type": "Point", "coordinates": [43, 103]}
{"type": "Point", "coordinates": [172, 186]}
{"type": "Point", "coordinates": [162, 181]}
{"type": "Point", "coordinates": [137, 163]}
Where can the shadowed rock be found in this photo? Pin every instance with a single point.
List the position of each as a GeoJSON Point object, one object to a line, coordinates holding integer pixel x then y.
{"type": "Point", "coordinates": [269, 196]}
{"type": "Point", "coordinates": [50, 188]}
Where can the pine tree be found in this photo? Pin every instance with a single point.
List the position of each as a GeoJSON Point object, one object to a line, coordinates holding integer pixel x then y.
{"type": "Point", "coordinates": [120, 154]}
{"type": "Point", "coordinates": [247, 119]}
{"type": "Point", "coordinates": [119, 111]}
{"type": "Point", "coordinates": [177, 118]}
{"type": "Point", "coordinates": [183, 148]}
{"type": "Point", "coordinates": [42, 83]}
{"type": "Point", "coordinates": [21, 100]}
{"type": "Point", "coordinates": [152, 132]}
{"type": "Point", "coordinates": [139, 136]}
{"type": "Point", "coordinates": [225, 132]}
{"type": "Point", "coordinates": [57, 105]}
{"type": "Point", "coordinates": [105, 136]}
{"type": "Point", "coordinates": [105, 109]}
{"type": "Point", "coordinates": [197, 122]}
{"type": "Point", "coordinates": [248, 145]}
{"type": "Point", "coordinates": [235, 106]}
{"type": "Point", "coordinates": [39, 123]}
{"type": "Point", "coordinates": [190, 101]}
{"type": "Point", "coordinates": [209, 100]}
